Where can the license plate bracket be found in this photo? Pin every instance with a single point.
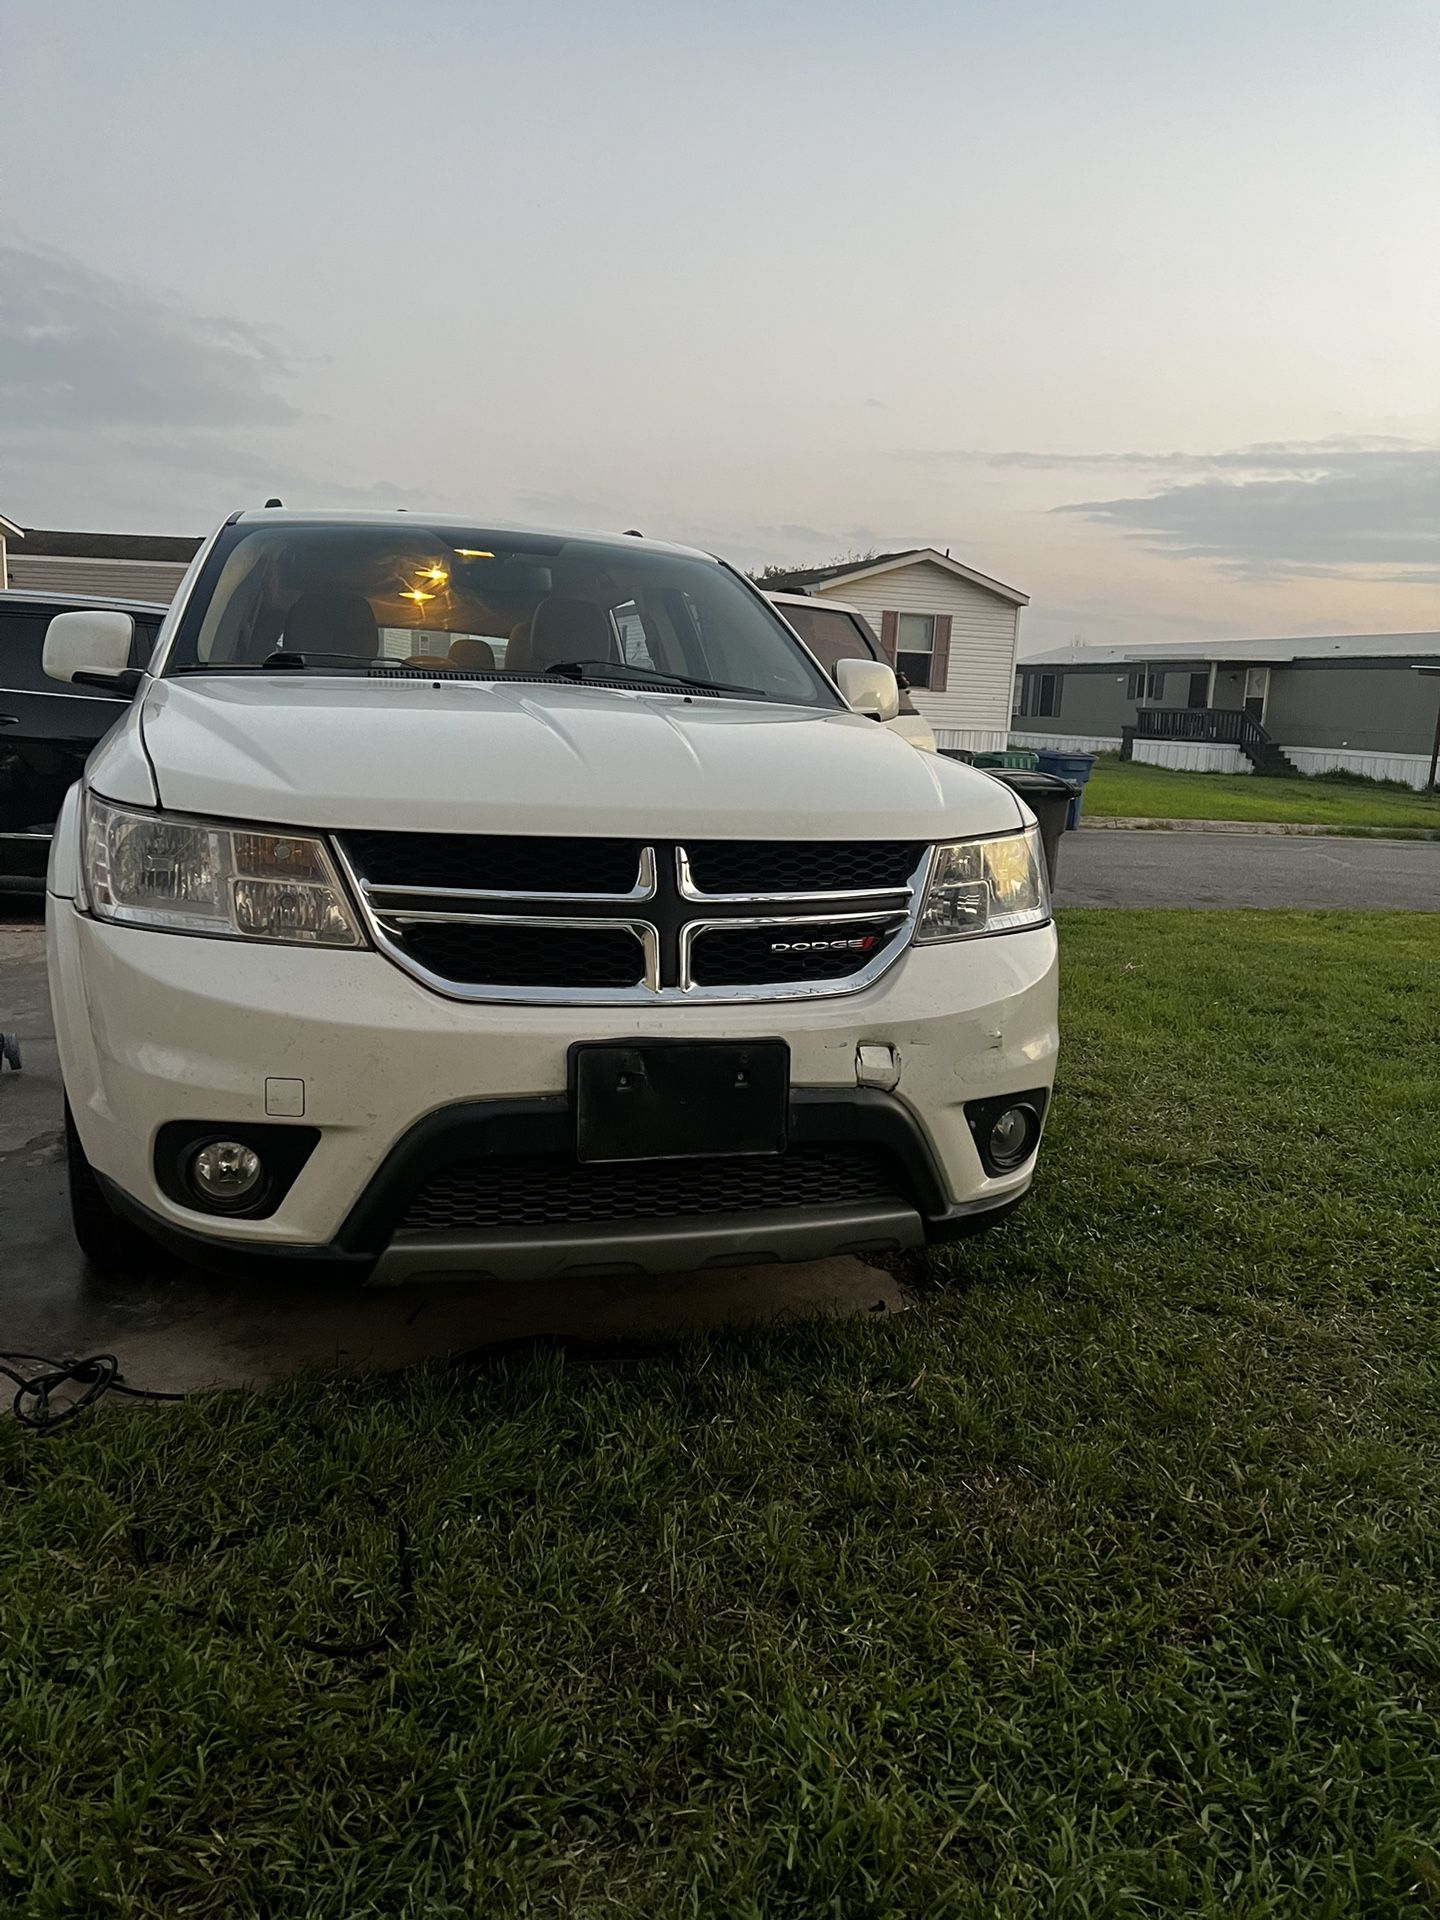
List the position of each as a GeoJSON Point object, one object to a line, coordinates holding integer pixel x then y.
{"type": "Point", "coordinates": [679, 1099]}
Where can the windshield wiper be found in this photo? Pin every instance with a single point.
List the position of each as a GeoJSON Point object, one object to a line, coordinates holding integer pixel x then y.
{"type": "Point", "coordinates": [282, 657]}
{"type": "Point", "coordinates": [613, 670]}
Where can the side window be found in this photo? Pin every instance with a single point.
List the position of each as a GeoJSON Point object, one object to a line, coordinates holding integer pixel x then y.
{"type": "Point", "coordinates": [1146, 684]}
{"type": "Point", "coordinates": [22, 642]}
{"type": "Point", "coordinates": [705, 643]}
{"type": "Point", "coordinates": [832, 636]}
{"type": "Point", "coordinates": [143, 644]}
{"type": "Point", "coordinates": [631, 640]}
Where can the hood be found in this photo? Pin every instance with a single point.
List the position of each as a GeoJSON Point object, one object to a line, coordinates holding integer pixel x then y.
{"type": "Point", "coordinates": [494, 756]}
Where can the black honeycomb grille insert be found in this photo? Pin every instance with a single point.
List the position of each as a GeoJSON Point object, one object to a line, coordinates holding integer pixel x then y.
{"type": "Point", "coordinates": [524, 956]}
{"type": "Point", "coordinates": [813, 866]}
{"type": "Point", "coordinates": [508, 1194]}
{"type": "Point", "coordinates": [494, 863]}
{"type": "Point", "coordinates": [769, 956]}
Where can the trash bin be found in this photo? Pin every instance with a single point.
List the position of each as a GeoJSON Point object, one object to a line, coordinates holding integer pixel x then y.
{"type": "Point", "coordinates": [962, 754]}
{"type": "Point", "coordinates": [1075, 767]}
{"type": "Point", "coordinates": [1013, 757]}
{"type": "Point", "coordinates": [1050, 799]}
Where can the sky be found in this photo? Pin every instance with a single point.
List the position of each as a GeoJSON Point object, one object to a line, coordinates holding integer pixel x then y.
{"type": "Point", "coordinates": [1132, 304]}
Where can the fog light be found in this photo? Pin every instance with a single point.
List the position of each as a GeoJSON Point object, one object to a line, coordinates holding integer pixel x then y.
{"type": "Point", "coordinates": [1006, 1128]}
{"type": "Point", "coordinates": [226, 1173]}
{"type": "Point", "coordinates": [1013, 1136]}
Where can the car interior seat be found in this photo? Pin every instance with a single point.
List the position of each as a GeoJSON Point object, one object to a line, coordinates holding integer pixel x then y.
{"type": "Point", "coordinates": [562, 629]}
{"type": "Point", "coordinates": [472, 655]}
{"type": "Point", "coordinates": [333, 620]}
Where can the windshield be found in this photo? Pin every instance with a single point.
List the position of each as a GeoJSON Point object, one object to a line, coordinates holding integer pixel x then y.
{"type": "Point", "coordinates": [447, 600]}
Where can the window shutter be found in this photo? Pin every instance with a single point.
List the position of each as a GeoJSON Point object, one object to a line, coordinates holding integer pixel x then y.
{"type": "Point", "coordinates": [888, 624]}
{"type": "Point", "coordinates": [940, 659]}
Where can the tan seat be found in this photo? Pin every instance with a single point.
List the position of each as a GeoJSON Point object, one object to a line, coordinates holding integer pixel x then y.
{"type": "Point", "coordinates": [561, 629]}
{"type": "Point", "coordinates": [466, 655]}
{"type": "Point", "coordinates": [470, 655]}
{"type": "Point", "coordinates": [333, 620]}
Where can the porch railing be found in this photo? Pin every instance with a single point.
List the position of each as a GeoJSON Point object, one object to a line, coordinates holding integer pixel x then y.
{"type": "Point", "coordinates": [1222, 726]}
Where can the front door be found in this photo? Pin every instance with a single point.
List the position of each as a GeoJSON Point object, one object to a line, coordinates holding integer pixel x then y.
{"type": "Point", "coordinates": [1257, 692]}
{"type": "Point", "coordinates": [48, 727]}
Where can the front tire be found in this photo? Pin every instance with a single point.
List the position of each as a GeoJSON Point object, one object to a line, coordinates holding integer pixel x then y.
{"type": "Point", "coordinates": [110, 1244]}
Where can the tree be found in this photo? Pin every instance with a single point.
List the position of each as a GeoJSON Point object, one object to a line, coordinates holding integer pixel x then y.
{"type": "Point", "coordinates": [767, 574]}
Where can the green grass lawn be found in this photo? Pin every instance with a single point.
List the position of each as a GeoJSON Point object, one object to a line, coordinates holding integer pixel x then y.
{"type": "Point", "coordinates": [1131, 791]}
{"type": "Point", "coordinates": [1106, 1582]}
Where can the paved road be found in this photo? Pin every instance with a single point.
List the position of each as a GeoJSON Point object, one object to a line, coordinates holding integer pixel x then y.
{"type": "Point", "coordinates": [1102, 868]}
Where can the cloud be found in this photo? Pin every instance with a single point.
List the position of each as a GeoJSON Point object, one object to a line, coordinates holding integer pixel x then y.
{"type": "Point", "coordinates": [1366, 505]}
{"type": "Point", "coordinates": [1262, 456]}
{"type": "Point", "coordinates": [1376, 511]}
{"type": "Point", "coordinates": [745, 543]}
{"type": "Point", "coordinates": [122, 409]}
{"type": "Point", "coordinates": [379, 494]}
{"type": "Point", "coordinates": [80, 349]}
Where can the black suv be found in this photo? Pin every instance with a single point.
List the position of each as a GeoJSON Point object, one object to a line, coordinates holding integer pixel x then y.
{"type": "Point", "coordinates": [47, 730]}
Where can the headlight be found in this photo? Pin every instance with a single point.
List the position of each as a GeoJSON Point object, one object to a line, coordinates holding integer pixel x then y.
{"type": "Point", "coordinates": [195, 876]}
{"type": "Point", "coordinates": [986, 886]}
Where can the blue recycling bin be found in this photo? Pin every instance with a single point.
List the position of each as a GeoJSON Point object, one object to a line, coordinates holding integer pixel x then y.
{"type": "Point", "coordinates": [1076, 768]}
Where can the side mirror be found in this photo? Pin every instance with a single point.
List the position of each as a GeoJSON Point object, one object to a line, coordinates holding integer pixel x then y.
{"type": "Point", "coordinates": [92, 647]}
{"type": "Point", "coordinates": [868, 686]}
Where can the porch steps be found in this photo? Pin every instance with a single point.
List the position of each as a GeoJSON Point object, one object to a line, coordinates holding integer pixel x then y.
{"type": "Point", "coordinates": [1266, 757]}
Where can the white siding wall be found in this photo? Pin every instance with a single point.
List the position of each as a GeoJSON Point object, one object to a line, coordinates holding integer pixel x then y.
{"type": "Point", "coordinates": [1067, 742]}
{"type": "Point", "coordinates": [1412, 768]}
{"type": "Point", "coordinates": [1201, 757]}
{"type": "Point", "coordinates": [121, 579]}
{"type": "Point", "coordinates": [974, 708]}
{"type": "Point", "coordinates": [972, 739]}
{"type": "Point", "coordinates": [1195, 756]}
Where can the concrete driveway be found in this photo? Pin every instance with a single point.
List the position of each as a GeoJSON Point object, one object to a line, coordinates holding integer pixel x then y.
{"type": "Point", "coordinates": [1139, 868]}
{"type": "Point", "coordinates": [178, 1329]}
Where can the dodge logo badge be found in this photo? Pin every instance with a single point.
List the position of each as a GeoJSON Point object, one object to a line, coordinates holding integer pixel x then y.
{"type": "Point", "coordinates": [860, 943]}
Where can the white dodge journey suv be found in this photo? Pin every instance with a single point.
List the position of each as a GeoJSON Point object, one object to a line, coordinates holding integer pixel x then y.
{"type": "Point", "coordinates": [458, 900]}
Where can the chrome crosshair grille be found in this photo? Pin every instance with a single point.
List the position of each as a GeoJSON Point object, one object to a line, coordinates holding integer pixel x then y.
{"type": "Point", "coordinates": [489, 917]}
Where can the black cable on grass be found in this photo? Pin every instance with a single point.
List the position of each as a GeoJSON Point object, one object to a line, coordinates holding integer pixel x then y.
{"type": "Point", "coordinates": [98, 1375]}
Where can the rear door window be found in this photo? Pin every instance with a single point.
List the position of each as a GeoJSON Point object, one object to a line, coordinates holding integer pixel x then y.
{"type": "Point", "coordinates": [22, 643]}
{"type": "Point", "coordinates": [22, 651]}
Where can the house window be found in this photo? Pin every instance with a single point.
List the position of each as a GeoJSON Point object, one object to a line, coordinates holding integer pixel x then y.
{"type": "Point", "coordinates": [1146, 684]}
{"type": "Point", "coordinates": [1037, 695]}
{"type": "Point", "coordinates": [915, 647]}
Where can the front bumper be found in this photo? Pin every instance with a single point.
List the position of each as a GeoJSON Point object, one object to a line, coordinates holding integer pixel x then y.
{"type": "Point", "coordinates": [156, 1029]}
